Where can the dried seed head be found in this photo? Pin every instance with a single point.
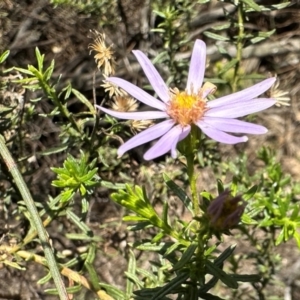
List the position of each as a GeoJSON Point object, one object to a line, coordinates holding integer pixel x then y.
{"type": "Point", "coordinates": [112, 89]}
{"type": "Point", "coordinates": [124, 103]}
{"type": "Point", "coordinates": [138, 125]}
{"type": "Point", "coordinates": [281, 96]}
{"type": "Point", "coordinates": [104, 55]}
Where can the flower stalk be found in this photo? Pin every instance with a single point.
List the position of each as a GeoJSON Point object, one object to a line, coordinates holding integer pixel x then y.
{"type": "Point", "coordinates": [43, 235]}
{"type": "Point", "coordinates": [190, 157]}
{"type": "Point", "coordinates": [239, 46]}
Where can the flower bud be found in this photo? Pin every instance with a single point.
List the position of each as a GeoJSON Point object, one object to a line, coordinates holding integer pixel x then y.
{"type": "Point", "coordinates": [225, 211]}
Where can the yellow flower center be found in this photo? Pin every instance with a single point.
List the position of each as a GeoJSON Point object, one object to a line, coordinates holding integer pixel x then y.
{"type": "Point", "coordinates": [185, 108]}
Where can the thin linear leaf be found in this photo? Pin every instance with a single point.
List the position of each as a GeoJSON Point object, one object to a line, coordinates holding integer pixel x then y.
{"type": "Point", "coordinates": [178, 192]}
{"type": "Point", "coordinates": [79, 223]}
{"type": "Point", "coordinates": [134, 279]}
{"type": "Point", "coordinates": [186, 256]}
{"type": "Point", "coordinates": [54, 150]}
{"type": "Point", "coordinates": [228, 66]}
{"type": "Point", "coordinates": [93, 276]}
{"type": "Point", "coordinates": [209, 297]}
{"type": "Point", "coordinates": [252, 4]}
{"type": "Point", "coordinates": [40, 59]}
{"type": "Point", "coordinates": [222, 257]}
{"type": "Point", "coordinates": [113, 291]}
{"type": "Point", "coordinates": [173, 284]}
{"type": "Point", "coordinates": [172, 248]}
{"type": "Point", "coordinates": [214, 270]}
{"type": "Point", "coordinates": [45, 279]}
{"type": "Point", "coordinates": [157, 238]}
{"type": "Point", "coordinates": [209, 285]}
{"type": "Point", "coordinates": [70, 290]}
{"type": "Point", "coordinates": [84, 100]}
{"type": "Point", "coordinates": [150, 247]}
{"type": "Point", "coordinates": [4, 56]}
{"type": "Point", "coordinates": [215, 36]}
{"type": "Point", "coordinates": [130, 270]}
{"type": "Point", "coordinates": [246, 277]}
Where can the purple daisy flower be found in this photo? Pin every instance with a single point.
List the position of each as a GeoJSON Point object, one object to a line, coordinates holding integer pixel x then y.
{"type": "Point", "coordinates": [181, 109]}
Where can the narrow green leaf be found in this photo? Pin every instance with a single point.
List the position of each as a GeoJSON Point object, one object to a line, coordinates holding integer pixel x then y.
{"type": "Point", "coordinates": [48, 73]}
{"type": "Point", "coordinates": [228, 66]}
{"type": "Point", "coordinates": [246, 277]}
{"type": "Point", "coordinates": [173, 284]}
{"type": "Point", "coordinates": [24, 71]}
{"type": "Point", "coordinates": [178, 191]}
{"type": "Point", "coordinates": [82, 237]}
{"type": "Point", "coordinates": [157, 238]}
{"type": "Point", "coordinates": [281, 5]}
{"type": "Point", "coordinates": [214, 270]}
{"type": "Point", "coordinates": [54, 150]}
{"type": "Point", "coordinates": [70, 290]}
{"type": "Point", "coordinates": [165, 213]}
{"type": "Point", "coordinates": [113, 186]}
{"type": "Point", "coordinates": [215, 36]}
{"type": "Point", "coordinates": [262, 35]}
{"type": "Point", "coordinates": [210, 250]}
{"type": "Point", "coordinates": [209, 285]}
{"type": "Point", "coordinates": [79, 223]}
{"type": "Point", "coordinates": [140, 226]}
{"type": "Point", "coordinates": [150, 247]}
{"type": "Point", "coordinates": [221, 27]}
{"type": "Point", "coordinates": [66, 195]}
{"type": "Point", "coordinates": [209, 297]}
{"type": "Point", "coordinates": [113, 291]}
{"type": "Point", "coordinates": [225, 254]}
{"type": "Point", "coordinates": [160, 57]}
{"type": "Point", "coordinates": [13, 265]}
{"type": "Point", "coordinates": [186, 256]}
{"type": "Point", "coordinates": [133, 219]}
{"type": "Point", "coordinates": [40, 59]}
{"type": "Point", "coordinates": [130, 270]}
{"type": "Point", "coordinates": [45, 279]}
{"type": "Point", "coordinates": [4, 56]}
{"type": "Point", "coordinates": [93, 276]}
{"type": "Point", "coordinates": [172, 248]}
{"type": "Point", "coordinates": [246, 219]}
{"type": "Point", "coordinates": [250, 193]}
{"type": "Point", "coordinates": [84, 100]}
{"type": "Point", "coordinates": [280, 238]}
{"type": "Point", "coordinates": [252, 4]}
{"type": "Point", "coordinates": [146, 273]}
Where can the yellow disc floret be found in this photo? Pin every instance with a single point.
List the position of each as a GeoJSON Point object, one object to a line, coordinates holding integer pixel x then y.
{"type": "Point", "coordinates": [186, 109]}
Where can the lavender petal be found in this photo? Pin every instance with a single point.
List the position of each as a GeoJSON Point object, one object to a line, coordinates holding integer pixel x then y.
{"type": "Point", "coordinates": [246, 94]}
{"type": "Point", "coordinates": [182, 136]}
{"type": "Point", "coordinates": [143, 115]}
{"type": "Point", "coordinates": [146, 136]}
{"type": "Point", "coordinates": [153, 76]}
{"type": "Point", "coordinates": [137, 93]}
{"type": "Point", "coordinates": [164, 144]}
{"type": "Point", "coordinates": [197, 67]}
{"type": "Point", "coordinates": [236, 110]}
{"type": "Point", "coordinates": [233, 125]}
{"type": "Point", "coordinates": [221, 136]}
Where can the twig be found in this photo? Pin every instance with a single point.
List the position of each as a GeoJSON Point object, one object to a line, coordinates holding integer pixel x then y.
{"type": "Point", "coordinates": [43, 235]}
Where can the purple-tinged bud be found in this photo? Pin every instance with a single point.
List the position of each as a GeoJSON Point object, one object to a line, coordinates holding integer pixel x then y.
{"type": "Point", "coordinates": [225, 211]}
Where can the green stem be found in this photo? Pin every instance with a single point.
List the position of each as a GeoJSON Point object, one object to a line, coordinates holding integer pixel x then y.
{"type": "Point", "coordinates": [43, 236]}
{"type": "Point", "coordinates": [192, 145]}
{"type": "Point", "coordinates": [52, 95]}
{"type": "Point", "coordinates": [239, 46]}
